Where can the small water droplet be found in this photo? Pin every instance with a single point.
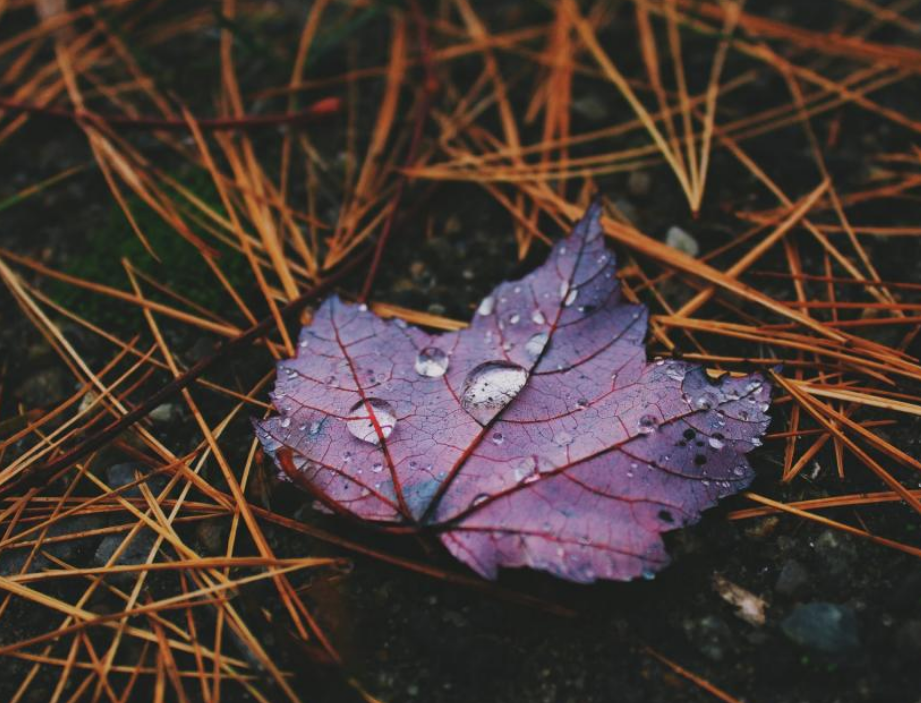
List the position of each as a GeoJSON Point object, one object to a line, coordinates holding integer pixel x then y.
{"type": "Point", "coordinates": [535, 346]}
{"type": "Point", "coordinates": [562, 439]}
{"type": "Point", "coordinates": [431, 362]}
{"type": "Point", "coordinates": [486, 305]}
{"type": "Point", "coordinates": [647, 424]}
{"type": "Point", "coordinates": [524, 467]}
{"type": "Point", "coordinates": [480, 499]}
{"type": "Point", "coordinates": [716, 441]}
{"type": "Point", "coordinates": [581, 403]}
{"type": "Point", "coordinates": [377, 467]}
{"type": "Point", "coordinates": [490, 387]}
{"type": "Point", "coordinates": [570, 297]}
{"type": "Point", "coordinates": [303, 344]}
{"type": "Point", "coordinates": [676, 373]}
{"type": "Point", "coordinates": [514, 319]}
{"type": "Point", "coordinates": [738, 470]}
{"type": "Point", "coordinates": [285, 422]}
{"type": "Point", "coordinates": [537, 317]}
{"type": "Point", "coordinates": [497, 438]}
{"type": "Point", "coordinates": [361, 424]}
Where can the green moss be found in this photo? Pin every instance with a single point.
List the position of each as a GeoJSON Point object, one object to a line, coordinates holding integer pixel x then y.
{"type": "Point", "coordinates": [180, 265]}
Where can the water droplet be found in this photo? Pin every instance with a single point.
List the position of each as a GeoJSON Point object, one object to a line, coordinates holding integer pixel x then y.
{"type": "Point", "coordinates": [303, 343]}
{"type": "Point", "coordinates": [676, 373]}
{"type": "Point", "coordinates": [315, 428]}
{"type": "Point", "coordinates": [537, 317]}
{"type": "Point", "coordinates": [486, 305]}
{"type": "Point", "coordinates": [377, 467]}
{"type": "Point", "coordinates": [647, 424]}
{"type": "Point", "coordinates": [285, 422]}
{"type": "Point", "coordinates": [490, 387]}
{"type": "Point", "coordinates": [739, 470]}
{"type": "Point", "coordinates": [498, 438]}
{"type": "Point", "coordinates": [431, 362]}
{"type": "Point", "coordinates": [514, 319]}
{"type": "Point", "coordinates": [480, 499]}
{"type": "Point", "coordinates": [716, 441]}
{"type": "Point", "coordinates": [525, 467]}
{"type": "Point", "coordinates": [536, 344]}
{"type": "Point", "coordinates": [570, 297]}
{"type": "Point", "coordinates": [562, 439]}
{"type": "Point", "coordinates": [756, 442]}
{"type": "Point", "coordinates": [361, 424]}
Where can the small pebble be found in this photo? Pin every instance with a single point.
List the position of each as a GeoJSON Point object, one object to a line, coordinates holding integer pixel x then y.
{"type": "Point", "coordinates": [824, 627]}
{"type": "Point", "coordinates": [678, 239]}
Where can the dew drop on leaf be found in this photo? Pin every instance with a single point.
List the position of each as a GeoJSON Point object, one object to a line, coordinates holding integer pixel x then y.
{"type": "Point", "coordinates": [431, 362]}
{"type": "Point", "coordinates": [490, 387]}
{"type": "Point", "coordinates": [486, 305]}
{"type": "Point", "coordinates": [362, 416]}
{"type": "Point", "coordinates": [536, 344]}
{"type": "Point", "coordinates": [647, 424]}
{"type": "Point", "coordinates": [537, 317]}
{"type": "Point", "coordinates": [562, 439]}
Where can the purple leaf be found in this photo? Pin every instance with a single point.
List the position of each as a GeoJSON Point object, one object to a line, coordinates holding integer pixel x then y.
{"type": "Point", "coordinates": [539, 436]}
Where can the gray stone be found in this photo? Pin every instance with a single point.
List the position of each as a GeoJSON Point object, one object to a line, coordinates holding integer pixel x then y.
{"type": "Point", "coordinates": [836, 552]}
{"type": "Point", "coordinates": [711, 635]}
{"type": "Point", "coordinates": [824, 627]}
{"type": "Point", "coordinates": [43, 388]}
{"type": "Point", "coordinates": [793, 579]}
{"type": "Point", "coordinates": [678, 239]}
{"type": "Point", "coordinates": [167, 412]}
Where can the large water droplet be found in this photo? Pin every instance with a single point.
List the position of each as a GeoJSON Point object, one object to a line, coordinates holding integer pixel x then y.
{"type": "Point", "coordinates": [537, 317]}
{"type": "Point", "coordinates": [716, 441]}
{"type": "Point", "coordinates": [486, 305]}
{"type": "Point", "coordinates": [361, 423]}
{"type": "Point", "coordinates": [536, 344]}
{"type": "Point", "coordinates": [431, 362]}
{"type": "Point", "coordinates": [490, 387]}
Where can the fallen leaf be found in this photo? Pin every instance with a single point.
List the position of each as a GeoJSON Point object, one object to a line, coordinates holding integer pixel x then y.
{"type": "Point", "coordinates": [539, 436]}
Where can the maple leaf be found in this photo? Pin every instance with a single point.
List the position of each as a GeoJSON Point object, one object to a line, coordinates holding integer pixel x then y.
{"type": "Point", "coordinates": [539, 436]}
